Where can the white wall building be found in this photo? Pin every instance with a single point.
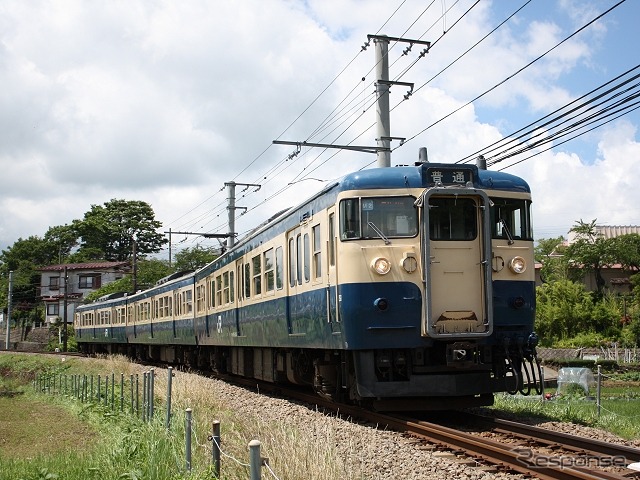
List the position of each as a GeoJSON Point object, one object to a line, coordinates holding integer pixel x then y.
{"type": "Point", "coordinates": [82, 279]}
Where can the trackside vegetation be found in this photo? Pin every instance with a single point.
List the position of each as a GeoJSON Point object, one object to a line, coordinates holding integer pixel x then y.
{"type": "Point", "coordinates": [107, 444]}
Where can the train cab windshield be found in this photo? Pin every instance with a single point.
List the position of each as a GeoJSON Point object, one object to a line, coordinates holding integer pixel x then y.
{"type": "Point", "coordinates": [511, 219]}
{"type": "Point", "coordinates": [378, 217]}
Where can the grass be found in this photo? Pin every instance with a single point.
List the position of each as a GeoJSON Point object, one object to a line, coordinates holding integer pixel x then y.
{"type": "Point", "coordinates": [619, 409]}
{"type": "Point", "coordinates": [105, 444]}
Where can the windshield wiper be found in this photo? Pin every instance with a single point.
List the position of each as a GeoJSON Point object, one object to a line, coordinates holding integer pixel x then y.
{"type": "Point", "coordinates": [506, 230]}
{"type": "Point", "coordinates": [379, 232]}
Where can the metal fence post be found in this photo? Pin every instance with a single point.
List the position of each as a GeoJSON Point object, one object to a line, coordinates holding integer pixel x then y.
{"type": "Point", "coordinates": [122, 392]}
{"type": "Point", "coordinates": [137, 396]}
{"type": "Point", "coordinates": [144, 396]}
{"type": "Point", "coordinates": [255, 462]}
{"type": "Point", "coordinates": [215, 448]}
{"type": "Point", "coordinates": [113, 385]}
{"type": "Point", "coordinates": [152, 381]}
{"type": "Point", "coordinates": [598, 385]}
{"type": "Point", "coordinates": [187, 439]}
{"type": "Point", "coordinates": [169, 380]}
{"type": "Point", "coordinates": [106, 390]}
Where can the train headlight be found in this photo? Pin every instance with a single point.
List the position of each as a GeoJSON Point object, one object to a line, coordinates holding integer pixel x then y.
{"type": "Point", "coordinates": [381, 266]}
{"type": "Point", "coordinates": [517, 265]}
{"type": "Point", "coordinates": [410, 264]}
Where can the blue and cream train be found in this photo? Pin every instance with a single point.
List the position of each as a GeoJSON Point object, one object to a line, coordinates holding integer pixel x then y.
{"type": "Point", "coordinates": [403, 287]}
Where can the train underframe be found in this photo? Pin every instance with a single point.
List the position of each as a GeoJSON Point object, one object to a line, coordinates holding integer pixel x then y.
{"type": "Point", "coordinates": [449, 375]}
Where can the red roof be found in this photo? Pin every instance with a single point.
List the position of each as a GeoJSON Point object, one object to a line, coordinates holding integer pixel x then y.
{"type": "Point", "coordinates": [84, 266]}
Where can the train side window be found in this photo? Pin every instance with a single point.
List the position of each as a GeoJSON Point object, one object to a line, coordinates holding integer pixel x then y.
{"type": "Point", "coordinates": [332, 245]}
{"type": "Point", "coordinates": [299, 258]}
{"type": "Point", "coordinates": [240, 282]}
{"type": "Point", "coordinates": [247, 280]}
{"type": "Point", "coordinates": [188, 299]}
{"type": "Point", "coordinates": [212, 293]}
{"type": "Point", "coordinates": [269, 275]}
{"type": "Point", "coordinates": [317, 254]}
{"type": "Point", "coordinates": [225, 291]}
{"type": "Point", "coordinates": [257, 275]}
{"type": "Point", "coordinates": [169, 309]}
{"type": "Point", "coordinates": [307, 258]}
{"type": "Point", "coordinates": [231, 284]}
{"type": "Point", "coordinates": [219, 290]}
{"type": "Point", "coordinates": [279, 265]}
{"type": "Point", "coordinates": [292, 262]}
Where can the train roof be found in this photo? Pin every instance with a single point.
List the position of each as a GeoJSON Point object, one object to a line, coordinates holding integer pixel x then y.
{"type": "Point", "coordinates": [421, 176]}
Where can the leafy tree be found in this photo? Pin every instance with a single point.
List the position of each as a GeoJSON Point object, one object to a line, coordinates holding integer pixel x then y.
{"type": "Point", "coordinates": [626, 251]}
{"type": "Point", "coordinates": [590, 251]}
{"type": "Point", "coordinates": [194, 258]}
{"type": "Point", "coordinates": [61, 239]}
{"type": "Point", "coordinates": [563, 309]}
{"type": "Point", "coordinates": [549, 252]}
{"type": "Point", "coordinates": [112, 228]}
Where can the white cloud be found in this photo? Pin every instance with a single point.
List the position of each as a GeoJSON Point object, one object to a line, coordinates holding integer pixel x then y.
{"type": "Point", "coordinates": [166, 101]}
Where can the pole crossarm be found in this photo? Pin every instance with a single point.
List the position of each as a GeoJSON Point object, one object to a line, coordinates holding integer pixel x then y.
{"type": "Point", "coordinates": [358, 148]}
{"type": "Point", "coordinates": [398, 39]}
{"type": "Point", "coordinates": [205, 235]}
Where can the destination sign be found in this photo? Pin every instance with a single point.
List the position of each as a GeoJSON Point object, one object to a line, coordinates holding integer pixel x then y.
{"type": "Point", "coordinates": [454, 175]}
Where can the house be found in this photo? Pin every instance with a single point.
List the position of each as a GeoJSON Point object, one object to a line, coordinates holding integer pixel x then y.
{"type": "Point", "coordinates": [82, 279]}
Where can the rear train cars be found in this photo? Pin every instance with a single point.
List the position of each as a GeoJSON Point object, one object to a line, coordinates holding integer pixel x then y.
{"type": "Point", "coordinates": [399, 288]}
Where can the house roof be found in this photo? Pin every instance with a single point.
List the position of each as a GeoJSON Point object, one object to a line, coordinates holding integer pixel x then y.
{"type": "Point", "coordinates": [84, 266]}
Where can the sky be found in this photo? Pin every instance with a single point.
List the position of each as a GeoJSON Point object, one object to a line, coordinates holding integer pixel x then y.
{"type": "Point", "coordinates": [167, 101]}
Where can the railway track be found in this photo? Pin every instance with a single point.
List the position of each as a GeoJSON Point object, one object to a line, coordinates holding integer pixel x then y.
{"type": "Point", "coordinates": [524, 449]}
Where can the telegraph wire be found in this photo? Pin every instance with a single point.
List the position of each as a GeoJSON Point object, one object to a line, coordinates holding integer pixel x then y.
{"type": "Point", "coordinates": [517, 72]}
{"type": "Point", "coordinates": [523, 132]}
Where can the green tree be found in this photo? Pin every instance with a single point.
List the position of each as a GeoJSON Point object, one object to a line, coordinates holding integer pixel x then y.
{"type": "Point", "coordinates": [110, 230]}
{"type": "Point", "coordinates": [590, 252]}
{"type": "Point", "coordinates": [626, 251]}
{"type": "Point", "coordinates": [194, 258]}
{"type": "Point", "coordinates": [550, 252]}
{"type": "Point", "coordinates": [563, 309]}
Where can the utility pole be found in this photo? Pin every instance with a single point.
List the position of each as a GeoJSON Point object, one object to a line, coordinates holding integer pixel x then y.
{"type": "Point", "coordinates": [231, 208]}
{"type": "Point", "coordinates": [383, 122]}
{"type": "Point", "coordinates": [9, 301]}
{"type": "Point", "coordinates": [64, 311]}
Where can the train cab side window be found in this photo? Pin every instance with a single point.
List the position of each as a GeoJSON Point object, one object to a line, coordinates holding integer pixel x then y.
{"type": "Point", "coordinates": [369, 217]}
{"type": "Point", "coordinates": [212, 293]}
{"type": "Point", "coordinates": [452, 218]}
{"type": "Point", "coordinates": [511, 217]}
{"type": "Point", "coordinates": [279, 265]}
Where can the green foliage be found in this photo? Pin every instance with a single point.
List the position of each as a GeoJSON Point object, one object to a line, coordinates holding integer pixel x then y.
{"type": "Point", "coordinates": [563, 310]}
{"type": "Point", "coordinates": [584, 340]}
{"type": "Point", "coordinates": [194, 258]}
{"type": "Point", "coordinates": [112, 227]}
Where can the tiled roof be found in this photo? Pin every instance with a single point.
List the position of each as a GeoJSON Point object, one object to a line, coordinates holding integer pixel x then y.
{"type": "Point", "coordinates": [84, 266]}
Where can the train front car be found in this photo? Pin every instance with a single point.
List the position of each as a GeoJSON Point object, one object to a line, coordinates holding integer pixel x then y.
{"type": "Point", "coordinates": [436, 291]}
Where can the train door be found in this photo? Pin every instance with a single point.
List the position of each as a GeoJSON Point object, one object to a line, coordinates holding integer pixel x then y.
{"type": "Point", "coordinates": [294, 308]}
{"type": "Point", "coordinates": [457, 250]}
{"type": "Point", "coordinates": [240, 291]}
{"type": "Point", "coordinates": [332, 271]}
